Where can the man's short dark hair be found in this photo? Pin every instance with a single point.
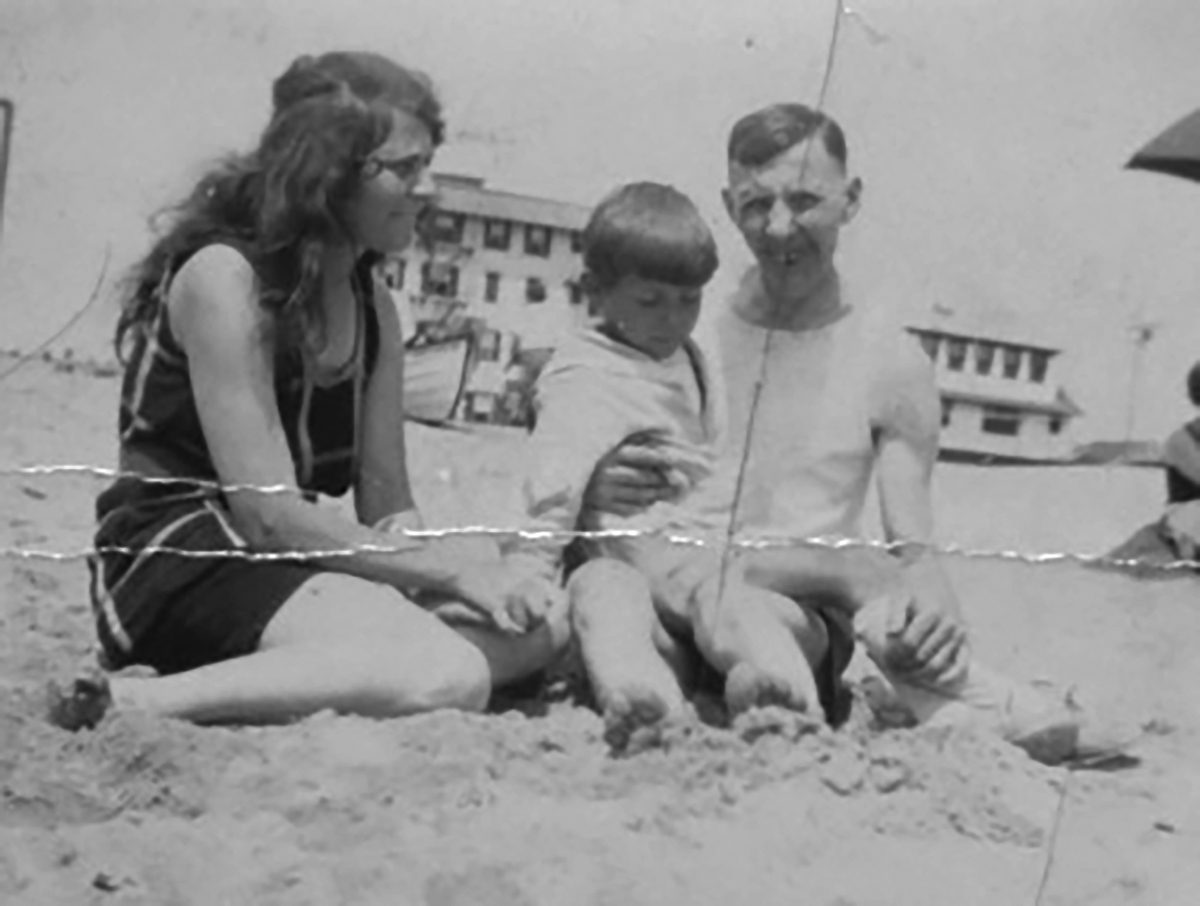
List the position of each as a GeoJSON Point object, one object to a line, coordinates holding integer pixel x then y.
{"type": "Point", "coordinates": [759, 137]}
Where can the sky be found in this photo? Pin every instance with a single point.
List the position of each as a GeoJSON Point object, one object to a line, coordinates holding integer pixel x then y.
{"type": "Point", "coordinates": [990, 136]}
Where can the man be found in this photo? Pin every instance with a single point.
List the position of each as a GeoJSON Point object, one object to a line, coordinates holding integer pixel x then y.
{"type": "Point", "coordinates": [819, 394]}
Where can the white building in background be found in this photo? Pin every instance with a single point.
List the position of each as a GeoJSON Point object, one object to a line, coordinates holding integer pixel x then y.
{"type": "Point", "coordinates": [1001, 400]}
{"type": "Point", "coordinates": [509, 262]}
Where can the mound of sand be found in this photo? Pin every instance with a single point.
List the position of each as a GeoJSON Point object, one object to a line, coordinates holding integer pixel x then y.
{"type": "Point", "coordinates": [527, 807]}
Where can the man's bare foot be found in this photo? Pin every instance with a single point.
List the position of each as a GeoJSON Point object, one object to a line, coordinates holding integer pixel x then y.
{"type": "Point", "coordinates": [631, 712]}
{"type": "Point", "coordinates": [1064, 734]}
{"type": "Point", "coordinates": [748, 686]}
{"type": "Point", "coordinates": [1050, 740]}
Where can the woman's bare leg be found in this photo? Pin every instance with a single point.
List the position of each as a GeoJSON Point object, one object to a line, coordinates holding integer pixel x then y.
{"type": "Point", "coordinates": [511, 658]}
{"type": "Point", "coordinates": [339, 643]}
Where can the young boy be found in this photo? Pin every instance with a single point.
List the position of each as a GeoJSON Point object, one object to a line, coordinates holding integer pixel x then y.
{"type": "Point", "coordinates": [635, 373]}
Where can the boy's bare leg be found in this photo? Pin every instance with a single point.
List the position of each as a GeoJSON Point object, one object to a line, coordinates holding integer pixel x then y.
{"type": "Point", "coordinates": [765, 645]}
{"type": "Point", "coordinates": [613, 616]}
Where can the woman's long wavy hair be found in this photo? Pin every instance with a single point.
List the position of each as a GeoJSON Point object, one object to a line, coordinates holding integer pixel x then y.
{"type": "Point", "coordinates": [280, 204]}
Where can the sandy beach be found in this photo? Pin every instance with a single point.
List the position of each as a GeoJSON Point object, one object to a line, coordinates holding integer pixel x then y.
{"type": "Point", "coordinates": [525, 807]}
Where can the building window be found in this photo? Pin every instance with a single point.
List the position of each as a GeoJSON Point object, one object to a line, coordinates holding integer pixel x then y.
{"type": "Point", "coordinates": [930, 342]}
{"type": "Point", "coordinates": [956, 354]}
{"type": "Point", "coordinates": [1056, 424]}
{"type": "Point", "coordinates": [489, 346]}
{"type": "Point", "coordinates": [576, 241]}
{"type": "Point", "coordinates": [1038, 363]}
{"type": "Point", "coordinates": [497, 234]}
{"type": "Point", "coordinates": [1001, 420]}
{"type": "Point", "coordinates": [535, 290]}
{"type": "Point", "coordinates": [491, 288]}
{"type": "Point", "coordinates": [574, 292]}
{"type": "Point", "coordinates": [985, 354]}
{"type": "Point", "coordinates": [480, 406]}
{"type": "Point", "coordinates": [537, 240]}
{"type": "Point", "coordinates": [393, 272]}
{"type": "Point", "coordinates": [1012, 361]}
{"type": "Point", "coordinates": [439, 279]}
{"type": "Point", "coordinates": [947, 411]}
{"type": "Point", "coordinates": [448, 227]}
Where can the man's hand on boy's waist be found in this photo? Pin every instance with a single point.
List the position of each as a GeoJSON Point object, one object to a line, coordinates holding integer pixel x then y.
{"type": "Point", "coordinates": [630, 479]}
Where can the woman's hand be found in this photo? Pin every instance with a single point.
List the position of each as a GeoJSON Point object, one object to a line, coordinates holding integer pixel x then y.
{"type": "Point", "coordinates": [514, 601]}
{"type": "Point", "coordinates": [628, 480]}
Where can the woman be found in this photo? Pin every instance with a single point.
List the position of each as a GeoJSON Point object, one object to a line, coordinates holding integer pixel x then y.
{"type": "Point", "coordinates": [265, 367]}
{"type": "Point", "coordinates": [1176, 536]}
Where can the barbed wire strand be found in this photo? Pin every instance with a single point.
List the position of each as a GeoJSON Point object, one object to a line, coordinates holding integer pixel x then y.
{"type": "Point", "coordinates": [760, 380]}
{"type": "Point", "coordinates": [827, 543]}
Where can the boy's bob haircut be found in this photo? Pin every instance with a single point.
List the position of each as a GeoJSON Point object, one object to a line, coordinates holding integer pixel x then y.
{"type": "Point", "coordinates": [651, 231]}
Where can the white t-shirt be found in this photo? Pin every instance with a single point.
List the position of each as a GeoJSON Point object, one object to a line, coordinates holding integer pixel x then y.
{"type": "Point", "coordinates": [811, 449]}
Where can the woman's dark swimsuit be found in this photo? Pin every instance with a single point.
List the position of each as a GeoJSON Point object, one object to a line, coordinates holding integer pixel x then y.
{"type": "Point", "coordinates": [203, 600]}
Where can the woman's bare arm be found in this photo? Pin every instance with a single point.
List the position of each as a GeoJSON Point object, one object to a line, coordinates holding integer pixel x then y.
{"type": "Point", "coordinates": [218, 320]}
{"type": "Point", "coordinates": [383, 488]}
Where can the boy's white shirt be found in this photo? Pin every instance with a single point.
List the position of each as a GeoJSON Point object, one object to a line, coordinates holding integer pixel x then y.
{"type": "Point", "coordinates": [593, 394]}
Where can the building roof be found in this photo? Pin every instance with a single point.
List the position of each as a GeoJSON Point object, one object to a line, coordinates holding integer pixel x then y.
{"type": "Point", "coordinates": [994, 325]}
{"type": "Point", "coordinates": [468, 195]}
{"type": "Point", "coordinates": [1062, 403]}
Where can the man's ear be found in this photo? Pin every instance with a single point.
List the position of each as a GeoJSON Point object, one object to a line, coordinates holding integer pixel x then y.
{"type": "Point", "coordinates": [854, 193]}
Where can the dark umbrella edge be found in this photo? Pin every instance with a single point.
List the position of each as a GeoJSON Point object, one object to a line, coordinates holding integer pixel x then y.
{"type": "Point", "coordinates": [1166, 166]}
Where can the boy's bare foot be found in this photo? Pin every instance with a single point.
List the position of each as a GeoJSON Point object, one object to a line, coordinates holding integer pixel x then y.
{"type": "Point", "coordinates": [748, 686]}
{"type": "Point", "coordinates": [631, 712]}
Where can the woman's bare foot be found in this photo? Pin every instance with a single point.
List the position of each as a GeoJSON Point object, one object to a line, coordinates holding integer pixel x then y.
{"type": "Point", "coordinates": [748, 686]}
{"type": "Point", "coordinates": [83, 703]}
{"type": "Point", "coordinates": [88, 699]}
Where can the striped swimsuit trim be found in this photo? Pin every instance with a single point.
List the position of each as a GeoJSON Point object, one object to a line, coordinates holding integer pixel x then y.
{"type": "Point", "coordinates": [106, 596]}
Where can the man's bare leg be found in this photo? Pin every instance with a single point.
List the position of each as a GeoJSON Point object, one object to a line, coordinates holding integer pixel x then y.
{"type": "Point", "coordinates": [613, 617]}
{"type": "Point", "coordinates": [1049, 731]}
{"type": "Point", "coordinates": [866, 583]}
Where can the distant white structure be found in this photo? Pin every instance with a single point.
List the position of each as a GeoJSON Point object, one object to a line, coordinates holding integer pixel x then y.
{"type": "Point", "coordinates": [1001, 400]}
{"type": "Point", "coordinates": [509, 262]}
